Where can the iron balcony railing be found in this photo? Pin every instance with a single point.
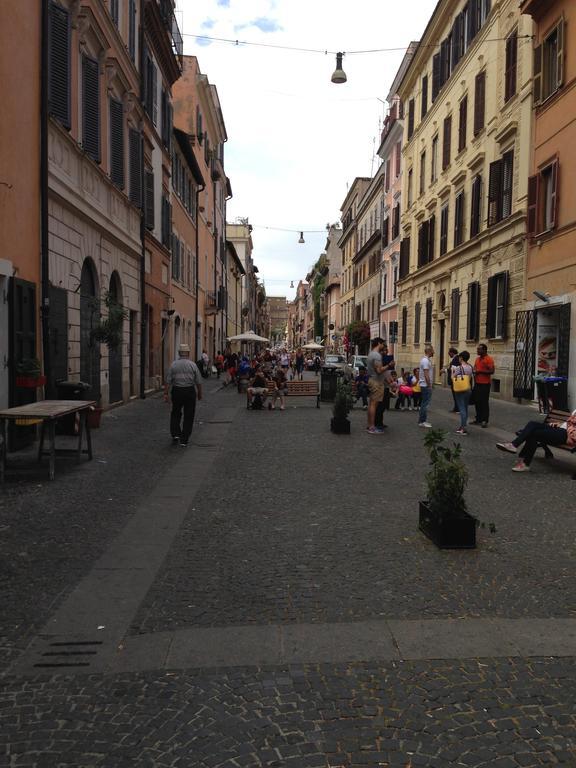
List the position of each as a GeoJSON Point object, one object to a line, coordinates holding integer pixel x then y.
{"type": "Point", "coordinates": [169, 19]}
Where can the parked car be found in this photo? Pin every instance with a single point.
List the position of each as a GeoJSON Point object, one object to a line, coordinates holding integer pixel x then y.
{"type": "Point", "coordinates": [338, 362]}
{"type": "Point", "coordinates": [357, 362]}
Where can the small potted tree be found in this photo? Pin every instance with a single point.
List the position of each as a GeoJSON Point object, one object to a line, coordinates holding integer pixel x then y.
{"type": "Point", "coordinates": [443, 516]}
{"type": "Point", "coordinates": [340, 424]}
{"type": "Point", "coordinates": [29, 373]}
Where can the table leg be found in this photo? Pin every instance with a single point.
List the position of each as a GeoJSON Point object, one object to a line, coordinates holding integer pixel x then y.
{"type": "Point", "coordinates": [3, 451]}
{"type": "Point", "coordinates": [80, 434]}
{"type": "Point", "coordinates": [88, 438]}
{"type": "Point", "coordinates": [41, 446]}
{"type": "Point", "coordinates": [52, 427]}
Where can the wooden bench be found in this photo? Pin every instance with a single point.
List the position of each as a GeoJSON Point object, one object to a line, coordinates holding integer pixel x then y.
{"type": "Point", "coordinates": [556, 416]}
{"type": "Point", "coordinates": [297, 389]}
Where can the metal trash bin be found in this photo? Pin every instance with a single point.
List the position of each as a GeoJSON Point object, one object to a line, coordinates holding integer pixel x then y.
{"type": "Point", "coordinates": [70, 390]}
{"type": "Point", "coordinates": [552, 393]}
{"type": "Point", "coordinates": [328, 384]}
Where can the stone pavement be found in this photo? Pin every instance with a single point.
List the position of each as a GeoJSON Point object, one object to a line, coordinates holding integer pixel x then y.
{"type": "Point", "coordinates": [264, 598]}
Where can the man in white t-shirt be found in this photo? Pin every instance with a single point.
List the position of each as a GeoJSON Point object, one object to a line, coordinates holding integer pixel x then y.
{"type": "Point", "coordinates": [426, 379]}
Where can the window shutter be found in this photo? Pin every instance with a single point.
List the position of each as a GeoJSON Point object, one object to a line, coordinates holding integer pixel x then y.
{"type": "Point", "coordinates": [385, 231]}
{"type": "Point", "coordinates": [476, 206]}
{"type": "Point", "coordinates": [447, 141]}
{"type": "Point", "coordinates": [410, 118]}
{"type": "Point", "coordinates": [444, 230]}
{"type": "Point", "coordinates": [554, 194]}
{"type": "Point", "coordinates": [132, 29]}
{"type": "Point", "coordinates": [114, 11]}
{"type": "Point", "coordinates": [417, 311]}
{"type": "Point", "coordinates": [149, 199]}
{"type": "Point", "coordinates": [421, 258]}
{"type": "Point", "coordinates": [435, 75]}
{"type": "Point", "coordinates": [59, 64]}
{"type": "Point", "coordinates": [495, 192]}
{"type": "Point", "coordinates": [387, 177]}
{"type": "Point", "coordinates": [398, 157]}
{"type": "Point", "coordinates": [503, 278]}
{"type": "Point", "coordinates": [135, 169]}
{"type": "Point", "coordinates": [404, 324]}
{"type": "Point", "coordinates": [459, 219]}
{"type": "Point", "coordinates": [431, 237]}
{"type": "Point", "coordinates": [560, 57]}
{"type": "Point", "coordinates": [462, 125]}
{"type": "Point", "coordinates": [154, 93]}
{"type": "Point", "coordinates": [428, 325]}
{"type": "Point", "coordinates": [116, 143]}
{"type": "Point", "coordinates": [491, 308]}
{"type": "Point", "coordinates": [404, 258]}
{"type": "Point", "coordinates": [473, 324]}
{"type": "Point", "coordinates": [511, 61]}
{"type": "Point", "coordinates": [455, 314]}
{"type": "Point", "coordinates": [532, 216]}
{"type": "Point", "coordinates": [479, 102]}
{"type": "Point", "coordinates": [424, 96]}
{"type": "Point", "coordinates": [90, 108]}
{"type": "Point", "coordinates": [537, 87]}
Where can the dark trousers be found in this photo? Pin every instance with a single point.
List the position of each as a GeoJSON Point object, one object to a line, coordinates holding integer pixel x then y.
{"type": "Point", "coordinates": [481, 399]}
{"type": "Point", "coordinates": [183, 399]}
{"type": "Point", "coordinates": [534, 433]}
{"type": "Point", "coordinates": [383, 405]}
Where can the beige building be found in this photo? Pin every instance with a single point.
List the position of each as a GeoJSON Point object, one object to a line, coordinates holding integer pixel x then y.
{"type": "Point", "coordinates": [278, 307]}
{"type": "Point", "coordinates": [467, 106]}
{"type": "Point", "coordinates": [234, 274]}
{"type": "Point", "coordinates": [348, 247]}
{"type": "Point", "coordinates": [367, 259]}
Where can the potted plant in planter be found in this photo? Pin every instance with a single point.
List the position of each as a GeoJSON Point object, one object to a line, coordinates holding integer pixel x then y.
{"type": "Point", "coordinates": [443, 516]}
{"type": "Point", "coordinates": [109, 329]}
{"type": "Point", "coordinates": [340, 424]}
{"type": "Point", "coordinates": [29, 373]}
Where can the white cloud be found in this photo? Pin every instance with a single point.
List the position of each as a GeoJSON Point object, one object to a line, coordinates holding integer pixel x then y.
{"type": "Point", "coordinates": [295, 139]}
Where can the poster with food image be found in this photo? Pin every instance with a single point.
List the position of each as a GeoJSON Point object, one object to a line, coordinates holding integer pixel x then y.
{"type": "Point", "coordinates": [548, 350]}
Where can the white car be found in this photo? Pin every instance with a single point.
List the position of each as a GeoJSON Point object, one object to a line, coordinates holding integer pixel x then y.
{"type": "Point", "coordinates": [338, 362]}
{"type": "Point", "coordinates": [357, 362]}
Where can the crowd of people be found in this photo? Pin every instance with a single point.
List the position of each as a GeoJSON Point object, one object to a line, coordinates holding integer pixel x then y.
{"type": "Point", "coordinates": [376, 385]}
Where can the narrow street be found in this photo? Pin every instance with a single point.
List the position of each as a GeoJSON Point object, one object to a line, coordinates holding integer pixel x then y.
{"type": "Point", "coordinates": [264, 598]}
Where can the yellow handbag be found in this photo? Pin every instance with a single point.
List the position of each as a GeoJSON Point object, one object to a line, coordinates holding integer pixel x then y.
{"type": "Point", "coordinates": [462, 382]}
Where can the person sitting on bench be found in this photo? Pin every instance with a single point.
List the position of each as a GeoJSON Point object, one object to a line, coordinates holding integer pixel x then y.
{"type": "Point", "coordinates": [257, 387]}
{"type": "Point", "coordinates": [536, 433]}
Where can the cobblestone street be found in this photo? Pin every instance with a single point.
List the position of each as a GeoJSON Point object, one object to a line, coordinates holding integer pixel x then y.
{"type": "Point", "coordinates": [264, 598]}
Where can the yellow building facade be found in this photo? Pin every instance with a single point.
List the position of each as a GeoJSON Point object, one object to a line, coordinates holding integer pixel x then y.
{"type": "Point", "coordinates": [467, 104]}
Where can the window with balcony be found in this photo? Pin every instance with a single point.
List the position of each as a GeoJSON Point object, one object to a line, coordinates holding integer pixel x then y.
{"type": "Point", "coordinates": [549, 64]}
{"type": "Point", "coordinates": [543, 200]}
{"type": "Point", "coordinates": [59, 64]}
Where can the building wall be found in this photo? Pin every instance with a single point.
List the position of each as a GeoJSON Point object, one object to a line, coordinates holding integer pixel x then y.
{"type": "Point", "coordinates": [19, 163]}
{"type": "Point", "coordinates": [499, 248]}
{"type": "Point", "coordinates": [551, 265]}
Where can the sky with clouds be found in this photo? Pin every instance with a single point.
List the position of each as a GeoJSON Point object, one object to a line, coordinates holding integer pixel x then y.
{"type": "Point", "coordinates": [296, 141]}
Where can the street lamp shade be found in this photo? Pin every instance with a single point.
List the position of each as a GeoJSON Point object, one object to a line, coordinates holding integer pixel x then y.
{"type": "Point", "coordinates": [301, 239]}
{"type": "Point", "coordinates": [339, 76]}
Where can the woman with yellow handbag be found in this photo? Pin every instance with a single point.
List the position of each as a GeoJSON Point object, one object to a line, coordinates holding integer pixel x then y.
{"type": "Point", "coordinates": [462, 380]}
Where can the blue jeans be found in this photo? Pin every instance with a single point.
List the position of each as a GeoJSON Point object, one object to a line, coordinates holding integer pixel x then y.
{"type": "Point", "coordinates": [424, 403]}
{"type": "Point", "coordinates": [462, 400]}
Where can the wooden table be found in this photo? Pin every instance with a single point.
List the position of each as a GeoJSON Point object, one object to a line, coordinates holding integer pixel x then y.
{"type": "Point", "coordinates": [48, 412]}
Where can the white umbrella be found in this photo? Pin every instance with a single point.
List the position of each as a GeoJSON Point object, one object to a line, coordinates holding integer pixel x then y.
{"type": "Point", "coordinates": [312, 345]}
{"type": "Point", "coordinates": [248, 336]}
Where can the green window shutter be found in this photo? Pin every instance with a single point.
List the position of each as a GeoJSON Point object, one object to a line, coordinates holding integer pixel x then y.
{"type": "Point", "coordinates": [135, 167]}
{"type": "Point", "coordinates": [90, 108]}
{"type": "Point", "coordinates": [59, 64]}
{"type": "Point", "coordinates": [117, 143]}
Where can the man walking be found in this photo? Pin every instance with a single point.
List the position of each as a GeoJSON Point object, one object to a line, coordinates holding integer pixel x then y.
{"type": "Point", "coordinates": [426, 379]}
{"type": "Point", "coordinates": [184, 379]}
{"type": "Point", "coordinates": [483, 370]}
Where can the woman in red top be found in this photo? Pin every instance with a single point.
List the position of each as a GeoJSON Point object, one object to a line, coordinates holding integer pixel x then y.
{"type": "Point", "coordinates": [483, 370]}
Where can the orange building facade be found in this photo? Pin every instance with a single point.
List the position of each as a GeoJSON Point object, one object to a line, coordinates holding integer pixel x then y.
{"type": "Point", "coordinates": [545, 339]}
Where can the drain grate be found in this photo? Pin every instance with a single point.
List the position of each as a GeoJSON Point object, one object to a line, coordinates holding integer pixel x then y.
{"type": "Point", "coordinates": [71, 653]}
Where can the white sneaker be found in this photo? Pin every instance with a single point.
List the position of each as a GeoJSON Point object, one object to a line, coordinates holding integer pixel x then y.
{"type": "Point", "coordinates": [425, 425]}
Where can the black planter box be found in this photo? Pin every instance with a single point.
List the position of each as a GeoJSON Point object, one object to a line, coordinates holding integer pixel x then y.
{"type": "Point", "coordinates": [448, 533]}
{"type": "Point", "coordinates": [340, 426]}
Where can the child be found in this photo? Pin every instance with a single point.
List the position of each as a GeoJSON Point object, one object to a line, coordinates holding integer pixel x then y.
{"type": "Point", "coordinates": [361, 382]}
{"type": "Point", "coordinates": [416, 391]}
{"type": "Point", "coordinates": [404, 392]}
